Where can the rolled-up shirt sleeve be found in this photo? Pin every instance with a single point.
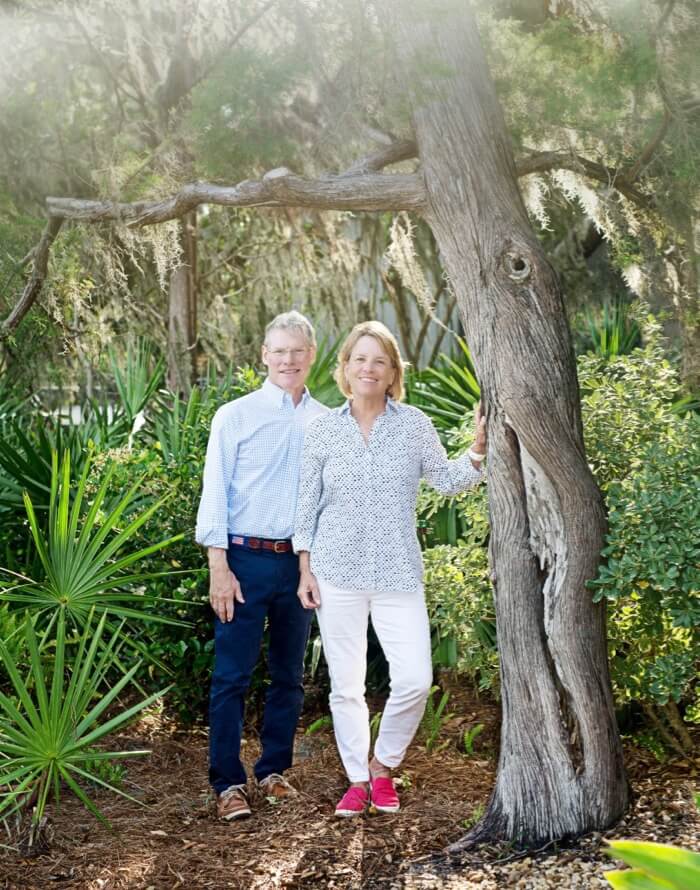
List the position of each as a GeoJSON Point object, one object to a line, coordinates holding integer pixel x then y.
{"type": "Point", "coordinates": [310, 488]}
{"type": "Point", "coordinates": [212, 516]}
{"type": "Point", "coordinates": [444, 475]}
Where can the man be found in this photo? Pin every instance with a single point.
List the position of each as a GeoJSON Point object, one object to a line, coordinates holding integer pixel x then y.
{"type": "Point", "coordinates": [246, 520]}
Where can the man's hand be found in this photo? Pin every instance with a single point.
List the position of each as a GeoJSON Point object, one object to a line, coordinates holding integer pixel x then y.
{"type": "Point", "coordinates": [308, 591]}
{"type": "Point", "coordinates": [224, 589]}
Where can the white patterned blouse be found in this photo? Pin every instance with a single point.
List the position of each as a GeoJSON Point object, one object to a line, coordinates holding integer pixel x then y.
{"type": "Point", "coordinates": [356, 508]}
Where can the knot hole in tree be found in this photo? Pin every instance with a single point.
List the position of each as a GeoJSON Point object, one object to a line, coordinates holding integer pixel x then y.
{"type": "Point", "coordinates": [517, 266]}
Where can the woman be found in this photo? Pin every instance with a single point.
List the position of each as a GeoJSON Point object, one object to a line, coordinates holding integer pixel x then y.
{"type": "Point", "coordinates": [359, 553]}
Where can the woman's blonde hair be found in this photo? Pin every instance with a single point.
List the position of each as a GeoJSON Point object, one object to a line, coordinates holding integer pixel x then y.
{"type": "Point", "coordinates": [386, 340]}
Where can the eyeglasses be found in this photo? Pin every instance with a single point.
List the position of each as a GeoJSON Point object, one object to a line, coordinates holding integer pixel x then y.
{"type": "Point", "coordinates": [295, 354]}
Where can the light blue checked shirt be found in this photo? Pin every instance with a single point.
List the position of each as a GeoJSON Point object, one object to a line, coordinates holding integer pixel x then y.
{"type": "Point", "coordinates": [251, 473]}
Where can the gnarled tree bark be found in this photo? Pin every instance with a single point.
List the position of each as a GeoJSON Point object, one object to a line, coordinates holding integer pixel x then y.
{"type": "Point", "coordinates": [560, 770]}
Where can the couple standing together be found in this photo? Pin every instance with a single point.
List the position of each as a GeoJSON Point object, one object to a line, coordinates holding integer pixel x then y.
{"type": "Point", "coordinates": [305, 509]}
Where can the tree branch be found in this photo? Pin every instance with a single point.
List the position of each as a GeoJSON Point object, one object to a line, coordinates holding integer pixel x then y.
{"type": "Point", "coordinates": [360, 188]}
{"type": "Point", "coordinates": [650, 149]}
{"type": "Point", "coordinates": [390, 154]}
{"type": "Point", "coordinates": [542, 162]}
{"type": "Point", "coordinates": [278, 188]}
{"type": "Point", "coordinates": [36, 280]}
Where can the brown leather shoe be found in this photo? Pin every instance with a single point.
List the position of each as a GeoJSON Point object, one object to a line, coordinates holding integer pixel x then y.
{"type": "Point", "coordinates": [233, 804]}
{"type": "Point", "coordinates": [277, 786]}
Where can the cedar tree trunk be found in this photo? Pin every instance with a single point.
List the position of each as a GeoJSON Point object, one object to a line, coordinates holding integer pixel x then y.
{"type": "Point", "coordinates": [560, 771]}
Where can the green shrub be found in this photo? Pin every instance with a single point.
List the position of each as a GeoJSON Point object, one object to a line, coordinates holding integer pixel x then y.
{"type": "Point", "coordinates": [87, 553]}
{"type": "Point", "coordinates": [646, 458]}
{"type": "Point", "coordinates": [651, 571]}
{"type": "Point", "coordinates": [460, 605]}
{"type": "Point", "coordinates": [628, 405]}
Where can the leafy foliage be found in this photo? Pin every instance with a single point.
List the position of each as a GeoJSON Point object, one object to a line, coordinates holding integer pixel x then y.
{"type": "Point", "coordinates": [627, 405]}
{"type": "Point", "coordinates": [460, 605]}
{"type": "Point", "coordinates": [654, 866]}
{"type": "Point", "coordinates": [651, 574]}
{"type": "Point", "coordinates": [608, 332]}
{"type": "Point", "coordinates": [646, 457]}
{"type": "Point", "coordinates": [448, 391]}
{"type": "Point", "coordinates": [84, 551]}
{"type": "Point", "coordinates": [48, 730]}
{"type": "Point", "coordinates": [320, 381]}
{"type": "Point", "coordinates": [434, 718]}
{"type": "Point", "coordinates": [138, 378]}
{"type": "Point", "coordinates": [168, 455]}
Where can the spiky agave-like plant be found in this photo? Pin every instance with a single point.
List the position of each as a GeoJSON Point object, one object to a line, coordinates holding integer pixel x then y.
{"type": "Point", "coordinates": [84, 553]}
{"type": "Point", "coordinates": [48, 731]}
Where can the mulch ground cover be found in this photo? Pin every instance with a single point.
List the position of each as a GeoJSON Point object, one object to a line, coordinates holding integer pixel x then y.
{"type": "Point", "coordinates": [175, 841]}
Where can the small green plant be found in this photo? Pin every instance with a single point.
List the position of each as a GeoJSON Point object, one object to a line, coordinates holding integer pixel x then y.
{"type": "Point", "coordinates": [325, 722]}
{"type": "Point", "coordinates": [608, 332]}
{"type": "Point", "coordinates": [650, 740]}
{"type": "Point", "coordinates": [654, 866]}
{"type": "Point", "coordinates": [138, 378]}
{"type": "Point", "coordinates": [48, 731]}
{"type": "Point", "coordinates": [434, 718]}
{"type": "Point", "coordinates": [374, 728]}
{"type": "Point", "coordinates": [108, 771]}
{"type": "Point", "coordinates": [470, 736]}
{"type": "Point", "coordinates": [316, 648]}
{"type": "Point", "coordinates": [447, 391]}
{"type": "Point", "coordinates": [320, 381]}
{"type": "Point", "coordinates": [403, 781]}
{"type": "Point", "coordinates": [474, 817]}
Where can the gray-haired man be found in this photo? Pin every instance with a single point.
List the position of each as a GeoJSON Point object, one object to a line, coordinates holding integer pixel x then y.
{"type": "Point", "coordinates": [246, 520]}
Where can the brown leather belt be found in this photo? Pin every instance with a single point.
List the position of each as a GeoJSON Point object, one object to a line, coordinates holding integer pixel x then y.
{"type": "Point", "coordinates": [261, 544]}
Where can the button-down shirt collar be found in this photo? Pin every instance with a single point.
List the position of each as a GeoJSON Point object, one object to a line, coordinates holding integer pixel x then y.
{"type": "Point", "coordinates": [390, 407]}
{"type": "Point", "coordinates": [279, 396]}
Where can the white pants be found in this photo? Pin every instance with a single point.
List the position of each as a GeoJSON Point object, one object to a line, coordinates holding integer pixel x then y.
{"type": "Point", "coordinates": [400, 620]}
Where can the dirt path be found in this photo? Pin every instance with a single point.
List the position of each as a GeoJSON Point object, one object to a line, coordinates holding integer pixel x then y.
{"type": "Point", "coordinates": [174, 841]}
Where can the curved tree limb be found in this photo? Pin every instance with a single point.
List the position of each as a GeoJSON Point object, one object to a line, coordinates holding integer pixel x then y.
{"type": "Point", "coordinates": [33, 287]}
{"type": "Point", "coordinates": [545, 161]}
{"type": "Point", "coordinates": [360, 187]}
{"type": "Point", "coordinates": [278, 188]}
{"type": "Point", "coordinates": [390, 154]}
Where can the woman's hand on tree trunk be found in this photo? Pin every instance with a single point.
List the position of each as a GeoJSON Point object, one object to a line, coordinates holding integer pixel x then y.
{"type": "Point", "coordinates": [480, 439]}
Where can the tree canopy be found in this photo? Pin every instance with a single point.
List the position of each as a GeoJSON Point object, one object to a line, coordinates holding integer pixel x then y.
{"type": "Point", "coordinates": [129, 102]}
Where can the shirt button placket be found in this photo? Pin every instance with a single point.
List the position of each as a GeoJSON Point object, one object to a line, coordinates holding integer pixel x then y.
{"type": "Point", "coordinates": [371, 514]}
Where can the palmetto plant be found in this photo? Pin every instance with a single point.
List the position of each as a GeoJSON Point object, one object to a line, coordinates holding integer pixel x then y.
{"type": "Point", "coordinates": [320, 381]}
{"type": "Point", "coordinates": [175, 425]}
{"type": "Point", "coordinates": [611, 331]}
{"type": "Point", "coordinates": [84, 551]}
{"type": "Point", "coordinates": [48, 730]}
{"type": "Point", "coordinates": [448, 392]}
{"type": "Point", "coordinates": [138, 379]}
{"type": "Point", "coordinates": [25, 461]}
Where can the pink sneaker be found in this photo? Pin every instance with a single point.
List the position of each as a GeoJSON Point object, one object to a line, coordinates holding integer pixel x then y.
{"type": "Point", "coordinates": [353, 802]}
{"type": "Point", "coordinates": [384, 796]}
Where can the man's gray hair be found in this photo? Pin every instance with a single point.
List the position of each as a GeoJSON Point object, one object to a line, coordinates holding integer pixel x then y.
{"type": "Point", "coordinates": [293, 321]}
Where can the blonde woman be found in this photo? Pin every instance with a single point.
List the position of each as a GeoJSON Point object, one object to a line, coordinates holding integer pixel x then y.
{"type": "Point", "coordinates": [359, 554]}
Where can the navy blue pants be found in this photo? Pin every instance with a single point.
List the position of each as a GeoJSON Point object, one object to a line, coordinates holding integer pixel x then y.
{"type": "Point", "coordinates": [269, 584]}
